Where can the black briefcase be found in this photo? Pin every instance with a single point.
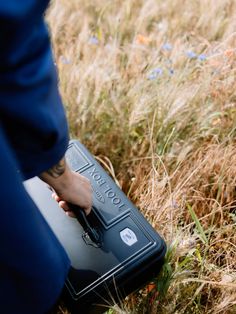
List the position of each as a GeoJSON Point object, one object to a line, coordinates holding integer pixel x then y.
{"type": "Point", "coordinates": [114, 250]}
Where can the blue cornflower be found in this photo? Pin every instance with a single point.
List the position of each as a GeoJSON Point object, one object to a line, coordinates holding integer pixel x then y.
{"type": "Point", "coordinates": [93, 40]}
{"type": "Point", "coordinates": [191, 54]}
{"type": "Point", "coordinates": [151, 77]}
{"type": "Point", "coordinates": [202, 57]}
{"type": "Point", "coordinates": [167, 47]}
{"type": "Point", "coordinates": [155, 73]}
{"type": "Point", "coordinates": [158, 71]}
{"type": "Point", "coordinates": [171, 72]}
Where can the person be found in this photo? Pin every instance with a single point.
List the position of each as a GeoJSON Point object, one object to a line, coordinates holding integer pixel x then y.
{"type": "Point", "coordinates": [33, 141]}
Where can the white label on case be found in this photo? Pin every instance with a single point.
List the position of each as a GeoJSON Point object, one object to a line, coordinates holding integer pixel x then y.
{"type": "Point", "coordinates": [128, 236]}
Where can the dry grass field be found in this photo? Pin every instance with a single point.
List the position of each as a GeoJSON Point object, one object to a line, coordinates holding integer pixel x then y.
{"type": "Point", "coordinates": [150, 88]}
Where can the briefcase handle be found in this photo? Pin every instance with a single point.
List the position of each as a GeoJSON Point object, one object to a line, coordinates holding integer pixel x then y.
{"type": "Point", "coordinates": [83, 220]}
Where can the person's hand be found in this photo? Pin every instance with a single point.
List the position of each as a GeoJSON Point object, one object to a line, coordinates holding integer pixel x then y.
{"type": "Point", "coordinates": [77, 191]}
{"type": "Point", "coordinates": [69, 187]}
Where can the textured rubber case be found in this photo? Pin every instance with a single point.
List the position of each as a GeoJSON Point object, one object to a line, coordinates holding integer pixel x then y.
{"type": "Point", "coordinates": [114, 251]}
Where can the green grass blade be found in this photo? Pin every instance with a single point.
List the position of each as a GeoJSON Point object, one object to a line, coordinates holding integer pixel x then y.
{"type": "Point", "coordinates": [202, 234]}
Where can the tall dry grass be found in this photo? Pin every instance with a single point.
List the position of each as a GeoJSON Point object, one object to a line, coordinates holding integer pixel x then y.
{"type": "Point", "coordinates": [150, 87]}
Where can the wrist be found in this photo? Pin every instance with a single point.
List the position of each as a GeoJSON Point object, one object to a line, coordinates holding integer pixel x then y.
{"type": "Point", "coordinates": [58, 177]}
{"type": "Point", "coordinates": [62, 182]}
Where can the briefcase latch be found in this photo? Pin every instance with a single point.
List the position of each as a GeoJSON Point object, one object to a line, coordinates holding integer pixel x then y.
{"type": "Point", "coordinates": [91, 235]}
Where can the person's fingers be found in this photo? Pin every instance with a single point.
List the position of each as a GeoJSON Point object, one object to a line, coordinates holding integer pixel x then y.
{"type": "Point", "coordinates": [70, 214]}
{"type": "Point", "coordinates": [56, 197]}
{"type": "Point", "coordinates": [66, 208]}
{"type": "Point", "coordinates": [64, 205]}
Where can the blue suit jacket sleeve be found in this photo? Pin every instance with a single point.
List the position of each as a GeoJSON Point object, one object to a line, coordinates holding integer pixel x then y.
{"type": "Point", "coordinates": [31, 111]}
{"type": "Point", "coordinates": [33, 137]}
